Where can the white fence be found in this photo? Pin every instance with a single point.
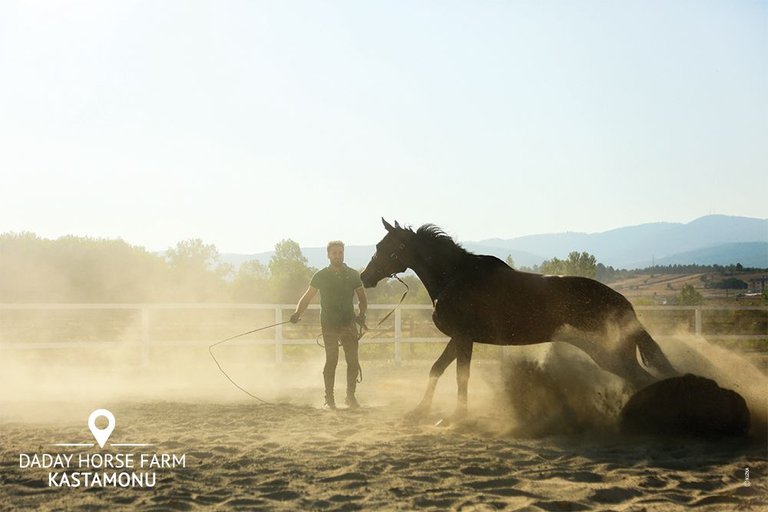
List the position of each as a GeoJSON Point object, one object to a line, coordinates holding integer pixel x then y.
{"type": "Point", "coordinates": [281, 312]}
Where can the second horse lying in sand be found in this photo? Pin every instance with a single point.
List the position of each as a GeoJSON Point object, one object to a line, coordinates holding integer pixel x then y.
{"type": "Point", "coordinates": [480, 299]}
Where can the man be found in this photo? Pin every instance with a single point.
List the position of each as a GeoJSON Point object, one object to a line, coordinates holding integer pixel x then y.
{"type": "Point", "coordinates": [337, 284]}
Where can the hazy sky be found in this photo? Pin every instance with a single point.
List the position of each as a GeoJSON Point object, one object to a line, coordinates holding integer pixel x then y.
{"type": "Point", "coordinates": [243, 123]}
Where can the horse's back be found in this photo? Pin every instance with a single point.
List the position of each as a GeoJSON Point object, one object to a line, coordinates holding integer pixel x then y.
{"type": "Point", "coordinates": [493, 303]}
{"type": "Point", "coordinates": [586, 303]}
{"type": "Point", "coordinates": [497, 280]}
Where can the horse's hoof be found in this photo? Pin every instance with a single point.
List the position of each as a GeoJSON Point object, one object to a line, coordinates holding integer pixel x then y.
{"type": "Point", "coordinates": [416, 415]}
{"type": "Point", "coordinates": [454, 418]}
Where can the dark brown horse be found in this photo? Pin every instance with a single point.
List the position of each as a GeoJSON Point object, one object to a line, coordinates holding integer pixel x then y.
{"type": "Point", "coordinates": [480, 299]}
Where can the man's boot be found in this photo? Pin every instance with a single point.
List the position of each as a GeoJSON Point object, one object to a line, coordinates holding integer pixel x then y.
{"type": "Point", "coordinates": [352, 373]}
{"type": "Point", "coordinates": [329, 376]}
{"type": "Point", "coordinates": [351, 401]}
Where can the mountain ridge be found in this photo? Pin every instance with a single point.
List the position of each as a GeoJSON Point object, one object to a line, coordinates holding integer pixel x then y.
{"type": "Point", "coordinates": [712, 239]}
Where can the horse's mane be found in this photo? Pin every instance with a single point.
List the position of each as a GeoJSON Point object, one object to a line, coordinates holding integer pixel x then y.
{"type": "Point", "coordinates": [439, 240]}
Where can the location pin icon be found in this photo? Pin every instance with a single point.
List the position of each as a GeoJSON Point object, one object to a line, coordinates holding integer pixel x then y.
{"type": "Point", "coordinates": [101, 434]}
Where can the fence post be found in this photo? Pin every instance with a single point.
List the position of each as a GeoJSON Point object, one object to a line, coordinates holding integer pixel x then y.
{"type": "Point", "coordinates": [398, 334]}
{"type": "Point", "coordinates": [145, 336]}
{"type": "Point", "coordinates": [278, 334]}
{"type": "Point", "coordinates": [697, 321]}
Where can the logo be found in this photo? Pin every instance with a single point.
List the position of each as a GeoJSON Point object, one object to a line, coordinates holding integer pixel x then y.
{"type": "Point", "coordinates": [101, 435]}
{"type": "Point", "coordinates": [110, 469]}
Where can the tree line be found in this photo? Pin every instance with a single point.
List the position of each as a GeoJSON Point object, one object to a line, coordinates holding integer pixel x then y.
{"type": "Point", "coordinates": [74, 269]}
{"type": "Point", "coordinates": [585, 265]}
{"type": "Point", "coordinates": [93, 270]}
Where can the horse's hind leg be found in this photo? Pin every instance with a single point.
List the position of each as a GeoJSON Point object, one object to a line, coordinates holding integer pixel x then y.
{"type": "Point", "coordinates": [446, 358]}
{"type": "Point", "coordinates": [618, 358]}
{"type": "Point", "coordinates": [651, 352]}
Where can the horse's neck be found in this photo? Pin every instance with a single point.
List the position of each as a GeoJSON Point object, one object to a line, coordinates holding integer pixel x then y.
{"type": "Point", "coordinates": [435, 273]}
{"type": "Point", "coordinates": [432, 282]}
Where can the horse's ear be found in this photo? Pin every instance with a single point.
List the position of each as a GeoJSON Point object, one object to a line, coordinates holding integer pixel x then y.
{"type": "Point", "coordinates": [387, 225]}
{"type": "Point", "coordinates": [397, 225]}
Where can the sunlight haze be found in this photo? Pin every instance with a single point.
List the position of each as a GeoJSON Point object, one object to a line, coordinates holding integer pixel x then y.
{"type": "Point", "coordinates": [244, 123]}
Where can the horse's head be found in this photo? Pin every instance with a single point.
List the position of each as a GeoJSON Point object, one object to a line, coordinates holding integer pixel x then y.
{"type": "Point", "coordinates": [391, 256]}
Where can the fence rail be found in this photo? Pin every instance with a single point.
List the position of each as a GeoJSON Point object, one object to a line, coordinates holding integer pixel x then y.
{"type": "Point", "coordinates": [144, 342]}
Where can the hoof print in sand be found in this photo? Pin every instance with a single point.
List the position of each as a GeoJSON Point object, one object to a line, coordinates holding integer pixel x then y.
{"type": "Point", "coordinates": [685, 406]}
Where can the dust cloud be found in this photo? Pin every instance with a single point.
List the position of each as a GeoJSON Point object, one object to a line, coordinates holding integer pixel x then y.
{"type": "Point", "coordinates": [532, 391]}
{"type": "Point", "coordinates": [55, 384]}
{"type": "Point", "coordinates": [556, 389]}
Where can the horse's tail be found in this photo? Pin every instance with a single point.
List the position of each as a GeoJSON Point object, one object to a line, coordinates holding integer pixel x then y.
{"type": "Point", "coordinates": [651, 354]}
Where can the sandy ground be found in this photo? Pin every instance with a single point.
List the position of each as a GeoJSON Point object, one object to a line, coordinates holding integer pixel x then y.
{"type": "Point", "coordinates": [511, 453]}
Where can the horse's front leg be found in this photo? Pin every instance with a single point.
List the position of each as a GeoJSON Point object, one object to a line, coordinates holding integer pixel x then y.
{"type": "Point", "coordinates": [446, 358]}
{"type": "Point", "coordinates": [463, 360]}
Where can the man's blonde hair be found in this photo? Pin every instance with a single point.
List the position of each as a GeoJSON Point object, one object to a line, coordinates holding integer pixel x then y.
{"type": "Point", "coordinates": [334, 243]}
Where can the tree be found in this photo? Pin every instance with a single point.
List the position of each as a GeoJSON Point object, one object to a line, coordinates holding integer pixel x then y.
{"type": "Point", "coordinates": [688, 296]}
{"type": "Point", "coordinates": [289, 272]}
{"type": "Point", "coordinates": [578, 264]}
{"type": "Point", "coordinates": [730, 283]}
{"type": "Point", "coordinates": [251, 284]}
{"type": "Point", "coordinates": [510, 261]}
{"type": "Point", "coordinates": [193, 255]}
{"type": "Point", "coordinates": [553, 267]}
{"type": "Point", "coordinates": [581, 264]}
{"type": "Point", "coordinates": [78, 269]}
{"type": "Point", "coordinates": [196, 271]}
{"type": "Point", "coordinates": [605, 274]}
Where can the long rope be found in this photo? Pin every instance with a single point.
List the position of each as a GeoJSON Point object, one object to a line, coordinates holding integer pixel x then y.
{"type": "Point", "coordinates": [407, 289]}
{"type": "Point", "coordinates": [364, 328]}
{"type": "Point", "coordinates": [210, 351]}
{"type": "Point", "coordinates": [362, 332]}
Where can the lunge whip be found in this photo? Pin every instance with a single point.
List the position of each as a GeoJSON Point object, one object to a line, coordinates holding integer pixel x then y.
{"type": "Point", "coordinates": [210, 351]}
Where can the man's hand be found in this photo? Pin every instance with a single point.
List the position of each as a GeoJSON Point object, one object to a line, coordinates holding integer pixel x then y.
{"type": "Point", "coordinates": [295, 318]}
{"type": "Point", "coordinates": [360, 320]}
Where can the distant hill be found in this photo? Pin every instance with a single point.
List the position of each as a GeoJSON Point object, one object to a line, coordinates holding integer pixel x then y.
{"type": "Point", "coordinates": [356, 256]}
{"type": "Point", "coordinates": [641, 246]}
{"type": "Point", "coordinates": [749, 254]}
{"type": "Point", "coordinates": [714, 239]}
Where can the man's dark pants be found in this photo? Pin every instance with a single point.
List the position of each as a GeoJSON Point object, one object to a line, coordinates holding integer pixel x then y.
{"type": "Point", "coordinates": [347, 335]}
